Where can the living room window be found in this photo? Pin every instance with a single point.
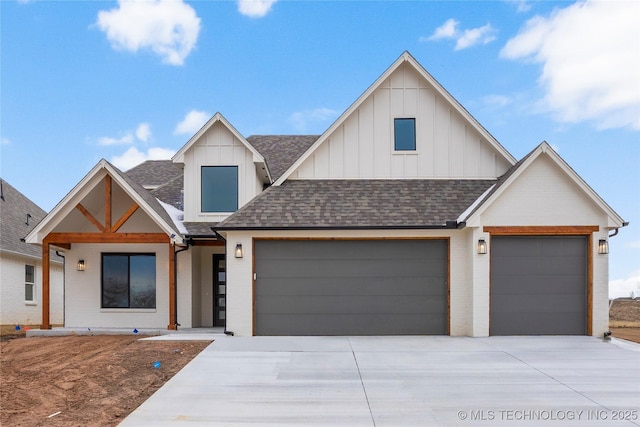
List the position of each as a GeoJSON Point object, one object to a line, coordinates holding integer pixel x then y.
{"type": "Point", "coordinates": [128, 280]}
{"type": "Point", "coordinates": [29, 283]}
{"type": "Point", "coordinates": [404, 134]}
{"type": "Point", "coordinates": [219, 188]}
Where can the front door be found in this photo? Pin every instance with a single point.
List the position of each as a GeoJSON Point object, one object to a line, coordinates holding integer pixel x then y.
{"type": "Point", "coordinates": [219, 290]}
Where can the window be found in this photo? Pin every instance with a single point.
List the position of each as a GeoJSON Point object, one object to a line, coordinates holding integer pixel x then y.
{"type": "Point", "coordinates": [128, 281]}
{"type": "Point", "coordinates": [219, 188]}
{"type": "Point", "coordinates": [29, 282]}
{"type": "Point", "coordinates": [404, 134]}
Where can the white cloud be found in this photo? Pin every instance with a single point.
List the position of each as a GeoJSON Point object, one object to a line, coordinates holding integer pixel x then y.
{"type": "Point", "coordinates": [474, 36]}
{"type": "Point", "coordinates": [255, 8]}
{"type": "Point", "coordinates": [301, 120]}
{"type": "Point", "coordinates": [496, 101]}
{"type": "Point", "coordinates": [123, 140]}
{"type": "Point", "coordinates": [5, 141]}
{"type": "Point", "coordinates": [169, 28]}
{"type": "Point", "coordinates": [590, 61]}
{"type": "Point", "coordinates": [463, 38]}
{"type": "Point", "coordinates": [522, 6]}
{"type": "Point", "coordinates": [143, 132]}
{"type": "Point", "coordinates": [445, 31]}
{"type": "Point", "coordinates": [633, 245]}
{"type": "Point", "coordinates": [192, 122]}
{"type": "Point", "coordinates": [133, 157]}
{"type": "Point", "coordinates": [624, 287]}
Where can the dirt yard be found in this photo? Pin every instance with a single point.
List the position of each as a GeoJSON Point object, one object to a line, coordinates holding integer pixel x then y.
{"type": "Point", "coordinates": [84, 380]}
{"type": "Point", "coordinates": [624, 319]}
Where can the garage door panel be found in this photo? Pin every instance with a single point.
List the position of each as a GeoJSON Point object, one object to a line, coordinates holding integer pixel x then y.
{"type": "Point", "coordinates": [538, 285]}
{"type": "Point", "coordinates": [350, 324]}
{"type": "Point", "coordinates": [330, 305]}
{"type": "Point", "coordinates": [351, 287]}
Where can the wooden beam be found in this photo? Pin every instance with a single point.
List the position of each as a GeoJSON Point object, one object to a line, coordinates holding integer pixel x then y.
{"type": "Point", "coordinates": [134, 207]}
{"type": "Point", "coordinates": [107, 202]}
{"type": "Point", "coordinates": [568, 230]}
{"type": "Point", "coordinates": [173, 320]}
{"type": "Point", "coordinates": [58, 238]}
{"type": "Point", "coordinates": [90, 217]}
{"type": "Point", "coordinates": [46, 275]}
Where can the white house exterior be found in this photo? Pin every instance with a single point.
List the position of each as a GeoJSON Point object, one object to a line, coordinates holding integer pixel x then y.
{"type": "Point", "coordinates": [404, 217]}
{"type": "Point", "coordinates": [21, 266]}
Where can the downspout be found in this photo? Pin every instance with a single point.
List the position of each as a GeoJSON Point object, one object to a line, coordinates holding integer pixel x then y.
{"type": "Point", "coordinates": [64, 284]}
{"type": "Point", "coordinates": [615, 233]}
{"type": "Point", "coordinates": [175, 280]}
{"type": "Point", "coordinates": [219, 237]}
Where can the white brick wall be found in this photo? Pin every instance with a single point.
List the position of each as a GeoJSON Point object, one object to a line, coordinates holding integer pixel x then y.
{"type": "Point", "coordinates": [14, 310]}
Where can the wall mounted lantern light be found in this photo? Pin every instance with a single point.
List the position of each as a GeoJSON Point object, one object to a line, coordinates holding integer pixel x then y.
{"type": "Point", "coordinates": [239, 251]}
{"type": "Point", "coordinates": [80, 266]}
{"type": "Point", "coordinates": [482, 247]}
{"type": "Point", "coordinates": [603, 247]}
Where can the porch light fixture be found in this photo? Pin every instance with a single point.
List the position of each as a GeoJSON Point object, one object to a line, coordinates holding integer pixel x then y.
{"type": "Point", "coordinates": [80, 266]}
{"type": "Point", "coordinates": [603, 247]}
{"type": "Point", "coordinates": [239, 251]}
{"type": "Point", "coordinates": [482, 247]}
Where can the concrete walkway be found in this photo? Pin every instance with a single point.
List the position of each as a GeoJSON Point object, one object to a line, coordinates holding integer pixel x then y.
{"type": "Point", "coordinates": [402, 381]}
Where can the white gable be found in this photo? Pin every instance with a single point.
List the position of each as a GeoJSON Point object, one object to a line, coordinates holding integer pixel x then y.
{"type": "Point", "coordinates": [219, 144]}
{"type": "Point", "coordinates": [360, 145]}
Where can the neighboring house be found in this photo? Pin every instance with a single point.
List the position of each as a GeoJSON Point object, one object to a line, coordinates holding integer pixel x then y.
{"type": "Point", "coordinates": [404, 217]}
{"type": "Point", "coordinates": [21, 265]}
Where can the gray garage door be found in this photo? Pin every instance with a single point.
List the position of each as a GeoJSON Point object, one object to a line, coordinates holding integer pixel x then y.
{"type": "Point", "coordinates": [346, 287]}
{"type": "Point", "coordinates": [538, 285]}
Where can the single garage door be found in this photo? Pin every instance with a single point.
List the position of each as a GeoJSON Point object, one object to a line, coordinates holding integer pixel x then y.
{"type": "Point", "coordinates": [538, 285]}
{"type": "Point", "coordinates": [348, 287]}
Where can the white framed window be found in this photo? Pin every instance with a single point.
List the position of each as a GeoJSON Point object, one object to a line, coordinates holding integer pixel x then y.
{"type": "Point", "coordinates": [129, 280]}
{"type": "Point", "coordinates": [29, 283]}
{"type": "Point", "coordinates": [404, 138]}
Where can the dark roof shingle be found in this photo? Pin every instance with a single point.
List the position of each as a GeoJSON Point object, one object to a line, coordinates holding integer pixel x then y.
{"type": "Point", "coordinates": [358, 204]}
{"type": "Point", "coordinates": [281, 151]}
{"type": "Point", "coordinates": [153, 173]}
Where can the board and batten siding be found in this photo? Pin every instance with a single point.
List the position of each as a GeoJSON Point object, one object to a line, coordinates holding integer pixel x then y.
{"type": "Point", "coordinates": [217, 147]}
{"type": "Point", "coordinates": [362, 146]}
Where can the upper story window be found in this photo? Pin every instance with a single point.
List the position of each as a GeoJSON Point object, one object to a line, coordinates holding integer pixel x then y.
{"type": "Point", "coordinates": [404, 134]}
{"type": "Point", "coordinates": [128, 280]}
{"type": "Point", "coordinates": [219, 188]}
{"type": "Point", "coordinates": [29, 282]}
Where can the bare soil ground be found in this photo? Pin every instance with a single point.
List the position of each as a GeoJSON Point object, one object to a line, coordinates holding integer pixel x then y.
{"type": "Point", "coordinates": [84, 380]}
{"type": "Point", "coordinates": [624, 319]}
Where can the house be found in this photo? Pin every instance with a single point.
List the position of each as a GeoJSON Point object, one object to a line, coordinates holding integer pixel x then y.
{"type": "Point", "coordinates": [21, 265]}
{"type": "Point", "coordinates": [406, 216]}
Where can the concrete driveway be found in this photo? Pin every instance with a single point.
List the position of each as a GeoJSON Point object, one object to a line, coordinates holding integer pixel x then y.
{"type": "Point", "coordinates": [402, 381]}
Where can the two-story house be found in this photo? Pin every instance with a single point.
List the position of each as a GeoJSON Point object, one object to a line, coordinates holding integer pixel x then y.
{"type": "Point", "coordinates": [404, 217]}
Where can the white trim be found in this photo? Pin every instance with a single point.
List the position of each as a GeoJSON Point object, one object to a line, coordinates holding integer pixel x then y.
{"type": "Point", "coordinates": [479, 200]}
{"type": "Point", "coordinates": [405, 57]}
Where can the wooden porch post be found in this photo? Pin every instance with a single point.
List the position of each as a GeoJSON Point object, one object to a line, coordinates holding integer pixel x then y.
{"type": "Point", "coordinates": [46, 274]}
{"type": "Point", "coordinates": [173, 321]}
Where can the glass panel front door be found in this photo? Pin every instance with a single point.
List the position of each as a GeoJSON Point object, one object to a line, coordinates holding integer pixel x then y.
{"type": "Point", "coordinates": [219, 290]}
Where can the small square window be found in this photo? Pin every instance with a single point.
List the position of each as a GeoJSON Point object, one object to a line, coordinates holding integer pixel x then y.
{"type": "Point", "coordinates": [404, 134]}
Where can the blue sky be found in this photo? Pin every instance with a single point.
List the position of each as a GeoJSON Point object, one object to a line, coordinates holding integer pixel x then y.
{"type": "Point", "coordinates": [129, 81]}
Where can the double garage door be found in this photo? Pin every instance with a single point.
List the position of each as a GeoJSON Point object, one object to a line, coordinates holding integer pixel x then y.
{"type": "Point", "coordinates": [351, 287]}
{"type": "Point", "coordinates": [539, 285]}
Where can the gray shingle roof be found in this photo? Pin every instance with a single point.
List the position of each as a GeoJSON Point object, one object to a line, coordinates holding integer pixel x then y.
{"type": "Point", "coordinates": [358, 204]}
{"type": "Point", "coordinates": [281, 151]}
{"type": "Point", "coordinates": [200, 229]}
{"type": "Point", "coordinates": [154, 172]}
{"type": "Point", "coordinates": [14, 207]}
{"type": "Point", "coordinates": [172, 192]}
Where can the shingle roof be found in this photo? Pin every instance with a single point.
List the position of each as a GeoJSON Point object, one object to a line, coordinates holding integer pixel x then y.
{"type": "Point", "coordinates": [153, 173]}
{"type": "Point", "coordinates": [172, 192]}
{"type": "Point", "coordinates": [200, 229]}
{"type": "Point", "coordinates": [14, 207]}
{"type": "Point", "coordinates": [281, 151]}
{"type": "Point", "coordinates": [358, 204]}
